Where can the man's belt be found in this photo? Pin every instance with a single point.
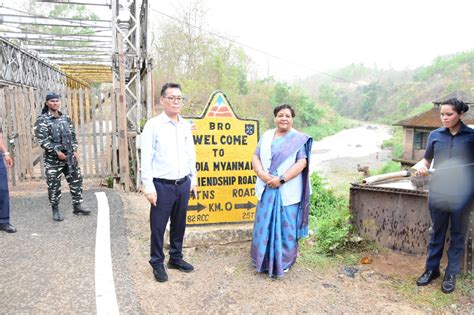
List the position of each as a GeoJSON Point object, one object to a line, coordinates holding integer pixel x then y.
{"type": "Point", "coordinates": [175, 182]}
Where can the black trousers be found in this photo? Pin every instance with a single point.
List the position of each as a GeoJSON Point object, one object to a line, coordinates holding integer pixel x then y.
{"type": "Point", "coordinates": [4, 196]}
{"type": "Point", "coordinates": [444, 212]}
{"type": "Point", "coordinates": [172, 203]}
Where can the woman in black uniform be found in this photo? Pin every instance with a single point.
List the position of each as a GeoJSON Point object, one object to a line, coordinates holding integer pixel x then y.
{"type": "Point", "coordinates": [451, 148]}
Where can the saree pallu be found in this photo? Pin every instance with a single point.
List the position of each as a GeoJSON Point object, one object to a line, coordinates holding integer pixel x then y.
{"type": "Point", "coordinates": [277, 228]}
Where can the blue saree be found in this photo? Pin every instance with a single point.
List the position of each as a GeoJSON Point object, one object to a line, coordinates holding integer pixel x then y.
{"type": "Point", "coordinates": [277, 228]}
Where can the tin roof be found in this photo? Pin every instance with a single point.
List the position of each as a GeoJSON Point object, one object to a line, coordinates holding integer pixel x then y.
{"type": "Point", "coordinates": [430, 119]}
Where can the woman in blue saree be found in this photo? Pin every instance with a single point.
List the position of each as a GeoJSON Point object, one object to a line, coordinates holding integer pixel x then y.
{"type": "Point", "coordinates": [281, 162]}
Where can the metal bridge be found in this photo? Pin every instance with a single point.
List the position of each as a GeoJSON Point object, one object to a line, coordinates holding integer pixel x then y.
{"type": "Point", "coordinates": [40, 53]}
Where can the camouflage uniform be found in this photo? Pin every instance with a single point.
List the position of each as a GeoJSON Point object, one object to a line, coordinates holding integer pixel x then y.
{"type": "Point", "coordinates": [49, 131]}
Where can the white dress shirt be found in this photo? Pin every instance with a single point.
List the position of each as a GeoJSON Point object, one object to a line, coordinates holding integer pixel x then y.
{"type": "Point", "coordinates": [167, 151]}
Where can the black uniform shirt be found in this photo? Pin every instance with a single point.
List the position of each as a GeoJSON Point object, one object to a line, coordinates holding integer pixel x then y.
{"type": "Point", "coordinates": [451, 155]}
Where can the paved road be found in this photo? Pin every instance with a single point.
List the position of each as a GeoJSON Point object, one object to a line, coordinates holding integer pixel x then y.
{"type": "Point", "coordinates": [49, 267]}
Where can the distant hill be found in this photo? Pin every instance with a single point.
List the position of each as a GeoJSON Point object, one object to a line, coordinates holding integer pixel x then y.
{"type": "Point", "coordinates": [372, 94]}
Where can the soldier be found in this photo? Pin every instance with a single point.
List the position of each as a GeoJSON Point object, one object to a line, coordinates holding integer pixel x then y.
{"type": "Point", "coordinates": [56, 135]}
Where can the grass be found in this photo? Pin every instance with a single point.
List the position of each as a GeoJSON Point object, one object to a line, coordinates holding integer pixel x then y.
{"type": "Point", "coordinates": [395, 143]}
{"type": "Point", "coordinates": [352, 253]}
{"type": "Point", "coordinates": [429, 296]}
{"type": "Point", "coordinates": [324, 262]}
{"type": "Point", "coordinates": [432, 296]}
{"type": "Point", "coordinates": [333, 126]}
{"type": "Point", "coordinates": [388, 167]}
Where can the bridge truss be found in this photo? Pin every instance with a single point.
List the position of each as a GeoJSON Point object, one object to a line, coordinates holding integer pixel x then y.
{"type": "Point", "coordinates": [53, 53]}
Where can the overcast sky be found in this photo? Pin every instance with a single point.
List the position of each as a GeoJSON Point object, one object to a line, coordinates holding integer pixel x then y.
{"type": "Point", "coordinates": [320, 35]}
{"type": "Point", "coordinates": [307, 36]}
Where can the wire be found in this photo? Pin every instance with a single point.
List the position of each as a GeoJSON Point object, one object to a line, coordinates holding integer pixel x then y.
{"type": "Point", "coordinates": [253, 48]}
{"type": "Point", "coordinates": [78, 22]}
{"type": "Point", "coordinates": [29, 31]}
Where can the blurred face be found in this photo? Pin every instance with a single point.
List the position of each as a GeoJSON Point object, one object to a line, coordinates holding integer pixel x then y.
{"type": "Point", "coordinates": [172, 101]}
{"type": "Point", "coordinates": [283, 120]}
{"type": "Point", "coordinates": [449, 117]}
{"type": "Point", "coordinates": [53, 104]}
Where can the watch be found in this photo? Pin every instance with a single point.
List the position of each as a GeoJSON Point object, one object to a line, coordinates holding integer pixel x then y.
{"type": "Point", "coordinates": [282, 179]}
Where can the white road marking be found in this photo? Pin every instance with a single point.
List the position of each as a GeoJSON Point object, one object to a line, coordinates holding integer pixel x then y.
{"type": "Point", "coordinates": [106, 300]}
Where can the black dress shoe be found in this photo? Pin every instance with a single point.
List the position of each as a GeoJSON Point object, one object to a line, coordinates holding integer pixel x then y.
{"type": "Point", "coordinates": [7, 227]}
{"type": "Point", "coordinates": [427, 277]}
{"type": "Point", "coordinates": [449, 283]}
{"type": "Point", "coordinates": [79, 209]}
{"type": "Point", "coordinates": [181, 265]}
{"type": "Point", "coordinates": [160, 273]}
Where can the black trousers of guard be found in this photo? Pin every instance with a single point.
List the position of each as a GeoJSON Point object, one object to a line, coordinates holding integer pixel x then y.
{"type": "Point", "coordinates": [4, 196]}
{"type": "Point", "coordinates": [444, 212]}
{"type": "Point", "coordinates": [172, 203]}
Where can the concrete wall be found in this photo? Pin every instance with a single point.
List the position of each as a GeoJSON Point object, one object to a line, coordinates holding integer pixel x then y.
{"type": "Point", "coordinates": [408, 143]}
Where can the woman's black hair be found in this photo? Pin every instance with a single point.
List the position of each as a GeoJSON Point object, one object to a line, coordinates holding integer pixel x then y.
{"type": "Point", "coordinates": [458, 106]}
{"type": "Point", "coordinates": [277, 109]}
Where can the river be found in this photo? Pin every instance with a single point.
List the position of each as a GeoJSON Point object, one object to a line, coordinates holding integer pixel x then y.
{"type": "Point", "coordinates": [336, 157]}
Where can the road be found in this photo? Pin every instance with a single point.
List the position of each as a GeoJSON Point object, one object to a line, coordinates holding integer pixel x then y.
{"type": "Point", "coordinates": [50, 267]}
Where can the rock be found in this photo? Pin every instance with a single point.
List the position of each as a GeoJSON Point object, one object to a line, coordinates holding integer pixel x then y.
{"type": "Point", "coordinates": [350, 271]}
{"type": "Point", "coordinates": [328, 285]}
{"type": "Point", "coordinates": [356, 239]}
{"type": "Point", "coordinates": [465, 300]}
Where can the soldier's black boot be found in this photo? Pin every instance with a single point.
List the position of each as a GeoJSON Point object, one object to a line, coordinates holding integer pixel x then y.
{"type": "Point", "coordinates": [56, 215]}
{"type": "Point", "coordinates": [79, 209]}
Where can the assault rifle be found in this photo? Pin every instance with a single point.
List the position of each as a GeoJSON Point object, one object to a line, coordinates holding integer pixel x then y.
{"type": "Point", "coordinates": [68, 149]}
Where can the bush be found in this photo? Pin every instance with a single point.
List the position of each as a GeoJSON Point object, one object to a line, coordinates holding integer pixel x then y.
{"type": "Point", "coordinates": [329, 217]}
{"type": "Point", "coordinates": [395, 143]}
{"type": "Point", "coordinates": [321, 130]}
{"type": "Point", "coordinates": [389, 167]}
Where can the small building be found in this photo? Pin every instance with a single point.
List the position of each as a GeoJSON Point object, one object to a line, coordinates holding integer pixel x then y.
{"type": "Point", "coordinates": [417, 128]}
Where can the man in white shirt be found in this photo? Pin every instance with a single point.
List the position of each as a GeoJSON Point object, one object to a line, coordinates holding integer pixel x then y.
{"type": "Point", "coordinates": [168, 160]}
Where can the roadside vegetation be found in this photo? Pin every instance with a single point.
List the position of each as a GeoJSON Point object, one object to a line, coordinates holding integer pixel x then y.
{"type": "Point", "coordinates": [332, 245]}
{"type": "Point", "coordinates": [435, 298]}
{"type": "Point", "coordinates": [203, 63]}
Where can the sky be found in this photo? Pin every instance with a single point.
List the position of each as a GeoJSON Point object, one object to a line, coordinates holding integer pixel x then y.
{"type": "Point", "coordinates": [302, 37]}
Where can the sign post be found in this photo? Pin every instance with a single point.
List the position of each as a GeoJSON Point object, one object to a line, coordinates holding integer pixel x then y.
{"type": "Point", "coordinates": [224, 146]}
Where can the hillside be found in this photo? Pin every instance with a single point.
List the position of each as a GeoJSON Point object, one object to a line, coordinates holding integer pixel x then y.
{"type": "Point", "coordinates": [373, 94]}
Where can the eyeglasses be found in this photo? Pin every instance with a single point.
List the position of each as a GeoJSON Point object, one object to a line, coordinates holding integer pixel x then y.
{"type": "Point", "coordinates": [175, 98]}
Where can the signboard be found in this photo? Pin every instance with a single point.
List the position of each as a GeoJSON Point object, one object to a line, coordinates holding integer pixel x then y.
{"type": "Point", "coordinates": [224, 146]}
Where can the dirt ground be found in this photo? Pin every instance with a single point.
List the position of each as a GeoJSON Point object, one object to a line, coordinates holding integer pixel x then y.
{"type": "Point", "coordinates": [225, 282]}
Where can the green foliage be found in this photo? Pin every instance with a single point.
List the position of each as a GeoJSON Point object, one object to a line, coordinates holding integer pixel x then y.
{"type": "Point", "coordinates": [395, 143]}
{"type": "Point", "coordinates": [328, 95]}
{"type": "Point", "coordinates": [329, 127]}
{"type": "Point", "coordinates": [202, 64]}
{"type": "Point", "coordinates": [388, 167]}
{"type": "Point", "coordinates": [370, 95]}
{"type": "Point", "coordinates": [444, 65]}
{"type": "Point", "coordinates": [281, 94]}
{"type": "Point", "coordinates": [329, 216]}
{"type": "Point", "coordinates": [388, 96]}
{"type": "Point", "coordinates": [436, 299]}
{"type": "Point", "coordinates": [110, 181]}
{"type": "Point", "coordinates": [61, 10]}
